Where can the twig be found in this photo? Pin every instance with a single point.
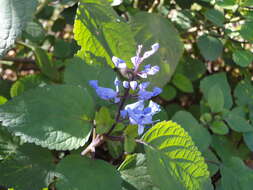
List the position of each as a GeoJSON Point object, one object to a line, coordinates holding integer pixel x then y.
{"type": "Point", "coordinates": [18, 60]}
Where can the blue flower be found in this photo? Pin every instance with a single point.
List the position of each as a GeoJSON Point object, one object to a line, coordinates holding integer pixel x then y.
{"type": "Point", "coordinates": [146, 95]}
{"type": "Point", "coordinates": [148, 70]}
{"type": "Point", "coordinates": [119, 63]}
{"type": "Point", "coordinates": [138, 59]}
{"type": "Point", "coordinates": [139, 115]}
{"type": "Point", "coordinates": [106, 93]}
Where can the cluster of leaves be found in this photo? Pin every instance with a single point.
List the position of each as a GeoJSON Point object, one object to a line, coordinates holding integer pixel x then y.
{"type": "Point", "coordinates": [50, 119]}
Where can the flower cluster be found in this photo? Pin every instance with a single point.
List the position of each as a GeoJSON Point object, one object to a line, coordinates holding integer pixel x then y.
{"type": "Point", "coordinates": [136, 112]}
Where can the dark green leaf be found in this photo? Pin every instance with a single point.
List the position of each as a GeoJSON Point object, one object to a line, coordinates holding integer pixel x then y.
{"type": "Point", "coordinates": [199, 134]}
{"type": "Point", "coordinates": [34, 32]}
{"type": "Point", "coordinates": [210, 47]}
{"type": "Point", "coordinates": [135, 173]}
{"type": "Point", "coordinates": [219, 127]}
{"type": "Point", "coordinates": [76, 173]}
{"type": "Point", "coordinates": [238, 123]}
{"type": "Point", "coordinates": [32, 166]}
{"type": "Point", "coordinates": [56, 117]}
{"type": "Point", "coordinates": [215, 16]}
{"type": "Point", "coordinates": [248, 139]}
{"type": "Point", "coordinates": [235, 175]}
{"type": "Point", "coordinates": [168, 93]}
{"type": "Point", "coordinates": [246, 31]}
{"type": "Point", "coordinates": [219, 79]}
{"type": "Point", "coordinates": [182, 83]}
{"type": "Point", "coordinates": [242, 57]}
{"type": "Point", "coordinates": [151, 28]}
{"type": "Point", "coordinates": [215, 99]}
{"type": "Point", "coordinates": [244, 93]}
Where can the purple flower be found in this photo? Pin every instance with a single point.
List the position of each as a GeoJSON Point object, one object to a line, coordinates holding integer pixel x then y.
{"type": "Point", "coordinates": [139, 115]}
{"type": "Point", "coordinates": [106, 93]}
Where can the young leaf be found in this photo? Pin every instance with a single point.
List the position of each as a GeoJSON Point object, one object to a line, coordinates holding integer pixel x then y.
{"type": "Point", "coordinates": [199, 134]}
{"type": "Point", "coordinates": [148, 29]}
{"type": "Point", "coordinates": [102, 33]}
{"type": "Point", "coordinates": [210, 47]}
{"type": "Point", "coordinates": [76, 172]}
{"type": "Point", "coordinates": [173, 159]}
{"type": "Point", "coordinates": [31, 166]}
{"type": "Point", "coordinates": [13, 17]}
{"type": "Point", "coordinates": [56, 117]}
{"type": "Point", "coordinates": [215, 99]}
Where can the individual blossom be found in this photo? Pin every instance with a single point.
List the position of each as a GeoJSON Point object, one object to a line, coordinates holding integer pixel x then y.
{"type": "Point", "coordinates": [143, 94]}
{"type": "Point", "coordinates": [137, 60]}
{"type": "Point", "coordinates": [139, 115]}
{"type": "Point", "coordinates": [106, 93]}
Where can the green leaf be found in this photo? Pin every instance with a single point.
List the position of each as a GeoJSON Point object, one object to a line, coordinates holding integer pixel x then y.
{"type": "Point", "coordinates": [115, 148]}
{"type": "Point", "coordinates": [101, 33]}
{"type": "Point", "coordinates": [210, 47]}
{"type": "Point", "coordinates": [215, 16]}
{"type": "Point", "coordinates": [246, 31]}
{"type": "Point", "coordinates": [62, 49]}
{"type": "Point", "coordinates": [151, 28]}
{"type": "Point", "coordinates": [103, 120]}
{"type": "Point", "coordinates": [168, 93]}
{"type": "Point", "coordinates": [242, 57]}
{"type": "Point", "coordinates": [212, 162]}
{"type": "Point", "coordinates": [229, 148]}
{"type": "Point", "coordinates": [130, 133]}
{"type": "Point", "coordinates": [26, 83]}
{"type": "Point", "coordinates": [219, 79]}
{"type": "Point", "coordinates": [45, 64]}
{"type": "Point", "coordinates": [174, 160]}
{"type": "Point", "coordinates": [76, 173]}
{"type": "Point", "coordinates": [199, 134]}
{"type": "Point", "coordinates": [243, 93]}
{"type": "Point", "coordinates": [235, 175]}
{"type": "Point", "coordinates": [219, 127]}
{"type": "Point", "coordinates": [3, 100]}
{"type": "Point", "coordinates": [237, 122]}
{"type": "Point", "coordinates": [134, 173]}
{"type": "Point", "coordinates": [74, 75]}
{"type": "Point", "coordinates": [215, 99]}
{"type": "Point", "coordinates": [193, 69]}
{"type": "Point", "coordinates": [56, 117]}
{"type": "Point", "coordinates": [182, 83]}
{"type": "Point", "coordinates": [13, 17]}
{"type": "Point", "coordinates": [247, 137]}
{"type": "Point", "coordinates": [8, 145]}
{"type": "Point", "coordinates": [228, 4]}
{"type": "Point", "coordinates": [32, 166]}
{"type": "Point", "coordinates": [34, 32]}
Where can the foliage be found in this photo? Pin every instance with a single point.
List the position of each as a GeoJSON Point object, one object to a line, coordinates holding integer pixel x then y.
{"type": "Point", "coordinates": [131, 95]}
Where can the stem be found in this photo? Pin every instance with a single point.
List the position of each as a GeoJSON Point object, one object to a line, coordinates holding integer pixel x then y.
{"type": "Point", "coordinates": [122, 103]}
{"type": "Point", "coordinates": [18, 60]}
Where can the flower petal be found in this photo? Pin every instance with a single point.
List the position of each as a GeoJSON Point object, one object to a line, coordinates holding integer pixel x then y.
{"type": "Point", "coordinates": [119, 63]}
{"type": "Point", "coordinates": [125, 84]}
{"type": "Point", "coordinates": [140, 129]}
{"type": "Point", "coordinates": [93, 83]}
{"type": "Point", "coordinates": [154, 107]}
{"type": "Point", "coordinates": [154, 47]}
{"type": "Point", "coordinates": [117, 83]}
{"type": "Point", "coordinates": [133, 85]}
